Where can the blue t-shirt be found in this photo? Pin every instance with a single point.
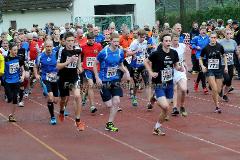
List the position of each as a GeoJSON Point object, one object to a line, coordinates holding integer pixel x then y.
{"type": "Point", "coordinates": [109, 63]}
{"type": "Point", "coordinates": [48, 66]}
{"type": "Point", "coordinates": [99, 38]}
{"type": "Point", "coordinates": [12, 71]}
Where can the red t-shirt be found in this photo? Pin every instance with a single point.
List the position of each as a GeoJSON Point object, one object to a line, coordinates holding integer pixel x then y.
{"type": "Point", "coordinates": [33, 50]}
{"type": "Point", "coordinates": [82, 41]}
{"type": "Point", "coordinates": [89, 55]}
{"type": "Point", "coordinates": [41, 44]}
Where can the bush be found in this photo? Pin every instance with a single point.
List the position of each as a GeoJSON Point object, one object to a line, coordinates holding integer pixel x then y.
{"type": "Point", "coordinates": [225, 13]}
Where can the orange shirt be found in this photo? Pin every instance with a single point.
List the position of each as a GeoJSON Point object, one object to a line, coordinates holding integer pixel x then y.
{"type": "Point", "coordinates": [125, 41]}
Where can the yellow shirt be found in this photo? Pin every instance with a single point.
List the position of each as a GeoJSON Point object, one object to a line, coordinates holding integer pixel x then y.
{"type": "Point", "coordinates": [1, 65]}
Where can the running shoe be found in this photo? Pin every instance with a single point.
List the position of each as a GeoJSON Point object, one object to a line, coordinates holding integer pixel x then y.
{"type": "Point", "coordinates": [134, 101]}
{"type": "Point", "coordinates": [53, 121]}
{"type": "Point", "coordinates": [225, 98]}
{"type": "Point", "coordinates": [120, 109]}
{"type": "Point", "coordinates": [183, 112]}
{"type": "Point", "coordinates": [149, 106]}
{"type": "Point", "coordinates": [230, 89]}
{"type": "Point", "coordinates": [218, 110]}
{"type": "Point", "coordinates": [175, 111]}
{"type": "Point", "coordinates": [110, 127]}
{"type": "Point", "coordinates": [11, 118]}
{"type": "Point", "coordinates": [196, 87]}
{"type": "Point", "coordinates": [93, 109]}
{"type": "Point", "coordinates": [21, 104]}
{"type": "Point", "coordinates": [80, 126]}
{"type": "Point", "coordinates": [61, 117]}
{"type": "Point", "coordinates": [205, 91]}
{"type": "Point", "coordinates": [159, 131]}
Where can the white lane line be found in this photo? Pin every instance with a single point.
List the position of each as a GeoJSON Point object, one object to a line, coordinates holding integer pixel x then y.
{"type": "Point", "coordinates": [108, 136]}
{"type": "Point", "coordinates": [198, 114]}
{"type": "Point", "coordinates": [195, 137]}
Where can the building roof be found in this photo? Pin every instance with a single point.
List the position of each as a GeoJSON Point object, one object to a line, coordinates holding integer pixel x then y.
{"type": "Point", "coordinates": [21, 5]}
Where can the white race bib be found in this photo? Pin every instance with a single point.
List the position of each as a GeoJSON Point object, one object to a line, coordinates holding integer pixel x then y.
{"type": "Point", "coordinates": [13, 68]}
{"type": "Point", "coordinates": [213, 63]}
{"type": "Point", "coordinates": [51, 77]}
{"type": "Point", "coordinates": [181, 63]}
{"type": "Point", "coordinates": [90, 61]}
{"type": "Point", "coordinates": [229, 58]}
{"type": "Point", "coordinates": [140, 59]}
{"type": "Point", "coordinates": [111, 72]}
{"type": "Point", "coordinates": [72, 64]}
{"type": "Point", "coordinates": [167, 74]}
{"type": "Point", "coordinates": [31, 63]}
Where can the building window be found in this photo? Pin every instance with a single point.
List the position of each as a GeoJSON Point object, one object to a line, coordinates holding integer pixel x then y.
{"type": "Point", "coordinates": [114, 9]}
{"type": "Point", "coordinates": [13, 25]}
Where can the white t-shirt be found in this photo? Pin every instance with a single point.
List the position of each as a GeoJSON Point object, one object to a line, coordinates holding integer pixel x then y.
{"type": "Point", "coordinates": [181, 54]}
{"type": "Point", "coordinates": [4, 53]}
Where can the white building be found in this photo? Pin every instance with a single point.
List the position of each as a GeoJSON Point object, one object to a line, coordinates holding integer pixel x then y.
{"type": "Point", "coordinates": [25, 13]}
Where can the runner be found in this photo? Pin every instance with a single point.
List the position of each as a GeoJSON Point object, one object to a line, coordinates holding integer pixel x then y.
{"type": "Point", "coordinates": [12, 77]}
{"type": "Point", "coordinates": [213, 68]}
{"type": "Point", "coordinates": [90, 52]}
{"type": "Point", "coordinates": [46, 63]}
{"type": "Point", "coordinates": [230, 48]}
{"type": "Point", "coordinates": [163, 61]}
{"type": "Point", "coordinates": [198, 43]}
{"type": "Point", "coordinates": [69, 66]}
{"type": "Point", "coordinates": [179, 78]}
{"type": "Point", "coordinates": [110, 60]}
{"type": "Point", "coordinates": [138, 51]}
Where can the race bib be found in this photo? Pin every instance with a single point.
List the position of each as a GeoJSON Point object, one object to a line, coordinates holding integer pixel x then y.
{"type": "Point", "coordinates": [13, 68]}
{"type": "Point", "coordinates": [111, 72]}
{"type": "Point", "coordinates": [51, 77]}
{"type": "Point", "coordinates": [72, 64]}
{"type": "Point", "coordinates": [128, 59]}
{"type": "Point", "coordinates": [230, 58]}
{"type": "Point", "coordinates": [140, 59]}
{"type": "Point", "coordinates": [213, 63]}
{"type": "Point", "coordinates": [167, 74]}
{"type": "Point", "coordinates": [181, 63]}
{"type": "Point", "coordinates": [31, 63]}
{"type": "Point", "coordinates": [90, 61]}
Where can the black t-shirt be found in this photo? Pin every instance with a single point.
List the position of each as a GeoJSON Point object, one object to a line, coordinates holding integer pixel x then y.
{"type": "Point", "coordinates": [213, 55]}
{"type": "Point", "coordinates": [21, 54]}
{"type": "Point", "coordinates": [163, 64]}
{"type": "Point", "coordinates": [69, 73]}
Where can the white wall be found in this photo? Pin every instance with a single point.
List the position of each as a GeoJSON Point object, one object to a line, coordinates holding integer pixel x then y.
{"type": "Point", "coordinates": [1, 27]}
{"type": "Point", "coordinates": [40, 17]}
{"type": "Point", "coordinates": [144, 10]}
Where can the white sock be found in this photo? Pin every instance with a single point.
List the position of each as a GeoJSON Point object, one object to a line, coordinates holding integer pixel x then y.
{"type": "Point", "coordinates": [157, 125]}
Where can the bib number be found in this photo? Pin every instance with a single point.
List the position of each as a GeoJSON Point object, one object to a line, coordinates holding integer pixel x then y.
{"type": "Point", "coordinates": [229, 58]}
{"type": "Point", "coordinates": [181, 63]}
{"type": "Point", "coordinates": [167, 74]}
{"type": "Point", "coordinates": [13, 68]}
{"type": "Point", "coordinates": [140, 59]}
{"type": "Point", "coordinates": [213, 63]}
{"type": "Point", "coordinates": [31, 63]}
{"type": "Point", "coordinates": [72, 64]}
{"type": "Point", "coordinates": [51, 77]}
{"type": "Point", "coordinates": [90, 61]}
{"type": "Point", "coordinates": [112, 72]}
